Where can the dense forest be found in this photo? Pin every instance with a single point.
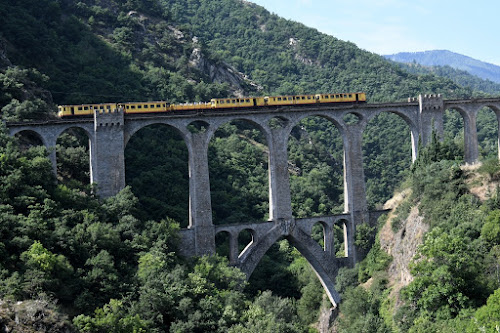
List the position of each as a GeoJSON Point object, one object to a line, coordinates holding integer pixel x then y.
{"type": "Point", "coordinates": [70, 261]}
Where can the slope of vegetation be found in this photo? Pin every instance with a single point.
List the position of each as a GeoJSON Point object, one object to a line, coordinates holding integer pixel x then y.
{"type": "Point", "coordinates": [111, 265]}
{"type": "Point", "coordinates": [454, 285]}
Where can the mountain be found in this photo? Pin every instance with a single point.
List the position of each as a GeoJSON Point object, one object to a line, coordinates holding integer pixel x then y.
{"type": "Point", "coordinates": [476, 67]}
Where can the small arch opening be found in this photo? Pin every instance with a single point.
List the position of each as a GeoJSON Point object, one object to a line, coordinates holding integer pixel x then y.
{"type": "Point", "coordinates": [278, 122]}
{"type": "Point", "coordinates": [245, 239]}
{"type": "Point", "coordinates": [351, 118]}
{"type": "Point", "coordinates": [28, 139]}
{"type": "Point", "coordinates": [198, 126]}
{"type": "Point", "coordinates": [318, 234]}
{"type": "Point", "coordinates": [340, 238]}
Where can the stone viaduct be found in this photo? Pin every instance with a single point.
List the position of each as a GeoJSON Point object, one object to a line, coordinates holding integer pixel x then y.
{"type": "Point", "coordinates": [109, 133]}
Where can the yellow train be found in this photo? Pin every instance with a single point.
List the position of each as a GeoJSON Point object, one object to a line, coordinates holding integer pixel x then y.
{"type": "Point", "coordinates": [215, 103]}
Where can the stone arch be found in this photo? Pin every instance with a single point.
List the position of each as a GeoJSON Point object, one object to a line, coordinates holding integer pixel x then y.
{"type": "Point", "coordinates": [248, 140]}
{"type": "Point", "coordinates": [30, 137]}
{"type": "Point", "coordinates": [325, 172]}
{"type": "Point", "coordinates": [410, 122]}
{"type": "Point", "coordinates": [135, 127]}
{"type": "Point", "coordinates": [325, 269]}
{"type": "Point", "coordinates": [156, 159]}
{"type": "Point", "coordinates": [321, 262]}
{"type": "Point", "coordinates": [466, 135]}
{"type": "Point", "coordinates": [246, 238]}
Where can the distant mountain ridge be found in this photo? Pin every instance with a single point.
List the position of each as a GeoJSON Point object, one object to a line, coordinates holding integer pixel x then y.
{"type": "Point", "coordinates": [476, 67]}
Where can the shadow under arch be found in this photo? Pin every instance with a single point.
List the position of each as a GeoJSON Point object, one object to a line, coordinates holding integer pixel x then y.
{"type": "Point", "coordinates": [29, 138]}
{"type": "Point", "coordinates": [487, 125]}
{"type": "Point", "coordinates": [388, 150]}
{"type": "Point", "coordinates": [73, 146]}
{"type": "Point", "coordinates": [316, 146]}
{"type": "Point", "coordinates": [239, 171]}
{"type": "Point", "coordinates": [156, 167]}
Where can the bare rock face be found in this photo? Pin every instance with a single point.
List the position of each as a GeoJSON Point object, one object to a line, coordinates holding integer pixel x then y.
{"type": "Point", "coordinates": [326, 319]}
{"type": "Point", "coordinates": [402, 245]}
{"type": "Point", "coordinates": [221, 73]}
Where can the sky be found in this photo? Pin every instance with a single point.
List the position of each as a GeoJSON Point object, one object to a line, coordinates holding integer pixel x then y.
{"type": "Point", "coordinates": [471, 28]}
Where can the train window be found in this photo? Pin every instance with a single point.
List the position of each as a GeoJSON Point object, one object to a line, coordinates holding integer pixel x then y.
{"type": "Point", "coordinates": [146, 106]}
{"type": "Point", "coordinates": [247, 100]}
{"type": "Point", "coordinates": [279, 98]}
{"type": "Point", "coordinates": [132, 106]}
{"type": "Point", "coordinates": [139, 106]}
{"type": "Point", "coordinates": [350, 95]}
{"type": "Point", "coordinates": [85, 107]}
{"type": "Point", "coordinates": [158, 105]}
{"type": "Point", "coordinates": [326, 97]}
{"type": "Point", "coordinates": [308, 97]}
{"type": "Point", "coordinates": [80, 108]}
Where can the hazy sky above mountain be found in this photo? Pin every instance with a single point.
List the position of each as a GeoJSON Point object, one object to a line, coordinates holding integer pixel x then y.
{"type": "Point", "coordinates": [470, 28]}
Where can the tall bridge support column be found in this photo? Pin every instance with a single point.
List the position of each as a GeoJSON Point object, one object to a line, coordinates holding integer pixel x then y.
{"type": "Point", "coordinates": [280, 205]}
{"type": "Point", "coordinates": [107, 162]}
{"type": "Point", "coordinates": [471, 144]}
{"type": "Point", "coordinates": [431, 109]}
{"type": "Point", "coordinates": [200, 205]}
{"type": "Point", "coordinates": [354, 185]}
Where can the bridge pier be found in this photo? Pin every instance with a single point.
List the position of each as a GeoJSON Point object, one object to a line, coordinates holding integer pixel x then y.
{"type": "Point", "coordinates": [280, 202]}
{"type": "Point", "coordinates": [107, 153]}
{"type": "Point", "coordinates": [200, 205]}
{"type": "Point", "coordinates": [354, 184]}
{"type": "Point", "coordinates": [471, 144]}
{"type": "Point", "coordinates": [431, 110]}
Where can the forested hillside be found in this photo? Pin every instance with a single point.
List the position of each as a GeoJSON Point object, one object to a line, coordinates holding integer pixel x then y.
{"type": "Point", "coordinates": [80, 263]}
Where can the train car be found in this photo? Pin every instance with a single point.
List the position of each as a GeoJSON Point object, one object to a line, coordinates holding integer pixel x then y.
{"type": "Point", "coordinates": [145, 107]}
{"type": "Point", "coordinates": [191, 106]}
{"type": "Point", "coordinates": [342, 98]}
{"type": "Point", "coordinates": [84, 109]}
{"type": "Point", "coordinates": [225, 103]}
